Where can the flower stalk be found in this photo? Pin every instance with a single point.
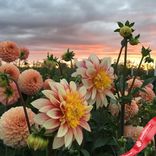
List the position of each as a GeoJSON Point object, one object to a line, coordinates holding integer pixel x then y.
{"type": "Point", "coordinates": [123, 90]}
{"type": "Point", "coordinates": [23, 104]}
{"type": "Point", "coordinates": [130, 89]}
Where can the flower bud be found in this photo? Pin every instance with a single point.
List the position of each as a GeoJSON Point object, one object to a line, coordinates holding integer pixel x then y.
{"type": "Point", "coordinates": [125, 31]}
{"type": "Point", "coordinates": [133, 41]}
{"type": "Point", "coordinates": [37, 142]}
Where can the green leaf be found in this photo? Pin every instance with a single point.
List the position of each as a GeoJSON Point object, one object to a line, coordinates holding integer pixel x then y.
{"type": "Point", "coordinates": [116, 30]}
{"type": "Point", "coordinates": [85, 152]}
{"type": "Point", "coordinates": [133, 30]}
{"type": "Point", "coordinates": [132, 24]}
{"type": "Point", "coordinates": [145, 51]}
{"type": "Point", "coordinates": [120, 24]}
{"type": "Point", "coordinates": [127, 23]}
{"type": "Point", "coordinates": [136, 37]}
{"type": "Point", "coordinates": [147, 81]}
{"type": "Point", "coordinates": [100, 141]}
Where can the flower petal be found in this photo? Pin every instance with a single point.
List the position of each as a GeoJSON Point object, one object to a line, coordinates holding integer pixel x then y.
{"type": "Point", "coordinates": [68, 138]}
{"type": "Point", "coordinates": [73, 86]}
{"type": "Point", "coordinates": [41, 118]}
{"type": "Point", "coordinates": [39, 103]}
{"type": "Point", "coordinates": [78, 135]}
{"type": "Point", "coordinates": [54, 113]}
{"type": "Point", "coordinates": [82, 91]}
{"type": "Point", "coordinates": [106, 62]}
{"type": "Point", "coordinates": [93, 94]}
{"type": "Point", "coordinates": [47, 93]}
{"type": "Point", "coordinates": [58, 142]}
{"type": "Point", "coordinates": [85, 125]}
{"type": "Point", "coordinates": [45, 108]}
{"type": "Point", "coordinates": [62, 130]}
{"type": "Point", "coordinates": [94, 59]}
{"type": "Point", "coordinates": [110, 94]}
{"type": "Point", "coordinates": [51, 124]}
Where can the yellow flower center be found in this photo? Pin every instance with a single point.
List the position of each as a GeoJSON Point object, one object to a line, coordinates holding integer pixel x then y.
{"type": "Point", "coordinates": [102, 80]}
{"type": "Point", "coordinates": [74, 109]}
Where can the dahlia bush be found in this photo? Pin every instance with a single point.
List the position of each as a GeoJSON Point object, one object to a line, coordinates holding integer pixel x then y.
{"type": "Point", "coordinates": [92, 107]}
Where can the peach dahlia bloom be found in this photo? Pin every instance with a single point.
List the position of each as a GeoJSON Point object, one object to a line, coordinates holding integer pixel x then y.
{"type": "Point", "coordinates": [13, 127]}
{"type": "Point", "coordinates": [132, 131]}
{"type": "Point", "coordinates": [30, 81]}
{"type": "Point", "coordinates": [148, 95]}
{"type": "Point", "coordinates": [137, 83]}
{"type": "Point", "coordinates": [9, 95]}
{"type": "Point", "coordinates": [11, 70]}
{"type": "Point", "coordinates": [97, 77]}
{"type": "Point", "coordinates": [9, 51]}
{"type": "Point", "coordinates": [24, 53]}
{"type": "Point", "coordinates": [131, 110]}
{"type": "Point", "coordinates": [64, 110]}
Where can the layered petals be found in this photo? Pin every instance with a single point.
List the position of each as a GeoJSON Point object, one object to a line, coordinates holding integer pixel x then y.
{"type": "Point", "coordinates": [65, 111]}
{"type": "Point", "coordinates": [97, 77]}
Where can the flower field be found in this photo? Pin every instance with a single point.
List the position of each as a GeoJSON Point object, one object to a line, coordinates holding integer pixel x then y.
{"type": "Point", "coordinates": [90, 107]}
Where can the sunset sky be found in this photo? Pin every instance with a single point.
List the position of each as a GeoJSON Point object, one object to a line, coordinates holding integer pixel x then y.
{"type": "Point", "coordinates": [85, 26]}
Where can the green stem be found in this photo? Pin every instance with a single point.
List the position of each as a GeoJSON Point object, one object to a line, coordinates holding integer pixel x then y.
{"type": "Point", "coordinates": [71, 64]}
{"type": "Point", "coordinates": [118, 59]}
{"type": "Point", "coordinates": [49, 147]}
{"type": "Point", "coordinates": [116, 68]}
{"type": "Point", "coordinates": [60, 68]}
{"type": "Point", "coordinates": [130, 89]}
{"type": "Point", "coordinates": [122, 115]}
{"type": "Point", "coordinates": [23, 104]}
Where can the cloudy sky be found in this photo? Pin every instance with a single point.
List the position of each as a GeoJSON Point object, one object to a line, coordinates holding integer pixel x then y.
{"type": "Point", "coordinates": [85, 26]}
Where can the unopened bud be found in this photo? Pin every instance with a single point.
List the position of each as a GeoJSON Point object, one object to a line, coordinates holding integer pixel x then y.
{"type": "Point", "coordinates": [37, 142]}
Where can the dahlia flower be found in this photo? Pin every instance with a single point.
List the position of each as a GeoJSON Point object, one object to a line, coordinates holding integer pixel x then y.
{"type": "Point", "coordinates": [9, 51]}
{"type": "Point", "coordinates": [24, 53]}
{"type": "Point", "coordinates": [137, 83]}
{"type": "Point", "coordinates": [11, 70]}
{"type": "Point", "coordinates": [65, 111]}
{"type": "Point", "coordinates": [97, 77]}
{"type": "Point", "coordinates": [9, 94]}
{"type": "Point", "coordinates": [46, 83]}
{"type": "Point", "coordinates": [131, 110]}
{"type": "Point", "coordinates": [13, 127]}
{"type": "Point", "coordinates": [132, 131]}
{"type": "Point", "coordinates": [148, 95]}
{"type": "Point", "coordinates": [30, 81]}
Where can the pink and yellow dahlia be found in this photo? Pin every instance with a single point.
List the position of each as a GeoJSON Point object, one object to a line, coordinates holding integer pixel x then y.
{"type": "Point", "coordinates": [64, 110]}
{"type": "Point", "coordinates": [30, 81]}
{"type": "Point", "coordinates": [13, 127]}
{"type": "Point", "coordinates": [9, 51]}
{"type": "Point", "coordinates": [97, 77]}
{"type": "Point", "coordinates": [9, 94]}
{"type": "Point", "coordinates": [11, 70]}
